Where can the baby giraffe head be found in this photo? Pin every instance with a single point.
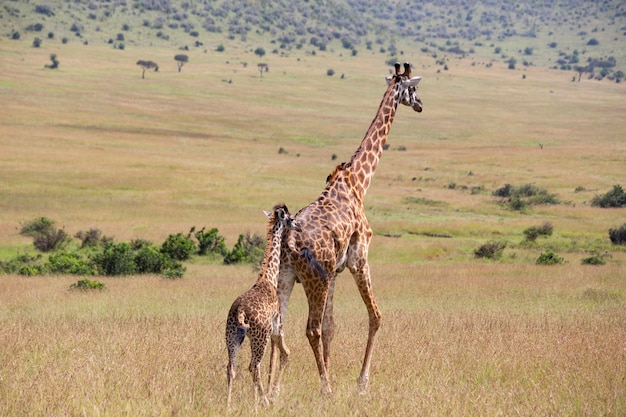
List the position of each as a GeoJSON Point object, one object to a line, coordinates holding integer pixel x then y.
{"type": "Point", "coordinates": [280, 216]}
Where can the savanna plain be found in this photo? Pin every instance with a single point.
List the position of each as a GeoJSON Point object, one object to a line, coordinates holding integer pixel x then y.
{"type": "Point", "coordinates": [92, 145]}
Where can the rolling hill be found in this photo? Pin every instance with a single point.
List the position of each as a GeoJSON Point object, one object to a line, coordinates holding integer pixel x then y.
{"type": "Point", "coordinates": [587, 37]}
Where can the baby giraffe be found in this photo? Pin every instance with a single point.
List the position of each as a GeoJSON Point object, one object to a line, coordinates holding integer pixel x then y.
{"type": "Point", "coordinates": [256, 313]}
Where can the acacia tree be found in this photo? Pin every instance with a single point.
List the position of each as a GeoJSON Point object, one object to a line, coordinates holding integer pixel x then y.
{"type": "Point", "coordinates": [181, 59]}
{"type": "Point", "coordinates": [146, 65]}
{"type": "Point", "coordinates": [262, 68]}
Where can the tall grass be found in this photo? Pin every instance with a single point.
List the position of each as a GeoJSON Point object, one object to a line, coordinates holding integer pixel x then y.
{"type": "Point", "coordinates": [455, 341]}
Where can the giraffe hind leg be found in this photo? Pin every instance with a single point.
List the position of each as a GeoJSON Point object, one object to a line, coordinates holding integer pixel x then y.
{"type": "Point", "coordinates": [233, 342]}
{"type": "Point", "coordinates": [258, 350]}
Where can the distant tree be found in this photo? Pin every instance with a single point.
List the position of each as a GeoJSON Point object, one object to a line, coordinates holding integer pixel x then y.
{"type": "Point", "coordinates": [259, 51]}
{"type": "Point", "coordinates": [262, 67]}
{"type": "Point", "coordinates": [44, 9]}
{"type": "Point", "coordinates": [593, 42]}
{"type": "Point", "coordinates": [181, 60]}
{"type": "Point", "coordinates": [55, 62]}
{"type": "Point", "coordinates": [512, 63]}
{"type": "Point", "coordinates": [146, 65]}
{"type": "Point", "coordinates": [580, 69]}
{"type": "Point", "coordinates": [36, 43]}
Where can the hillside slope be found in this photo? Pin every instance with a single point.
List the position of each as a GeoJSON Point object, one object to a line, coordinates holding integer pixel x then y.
{"type": "Point", "coordinates": [577, 35]}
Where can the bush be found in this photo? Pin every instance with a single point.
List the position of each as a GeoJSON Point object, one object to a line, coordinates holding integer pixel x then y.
{"type": "Point", "coordinates": [549, 258]}
{"type": "Point", "coordinates": [330, 72]}
{"type": "Point", "coordinates": [250, 249]}
{"type": "Point", "coordinates": [86, 284]}
{"type": "Point", "coordinates": [23, 265]}
{"type": "Point", "coordinates": [92, 238]}
{"type": "Point", "coordinates": [37, 226]}
{"type": "Point", "coordinates": [149, 260]}
{"type": "Point", "coordinates": [69, 263]}
{"type": "Point", "coordinates": [618, 235]}
{"type": "Point", "coordinates": [593, 260]}
{"type": "Point", "coordinates": [46, 237]}
{"type": "Point", "coordinates": [210, 242]}
{"type": "Point", "coordinates": [490, 250]}
{"type": "Point", "coordinates": [519, 197]}
{"type": "Point", "coordinates": [178, 247]}
{"type": "Point", "coordinates": [44, 9]}
{"type": "Point", "coordinates": [115, 259]}
{"type": "Point", "coordinates": [614, 198]}
{"type": "Point", "coordinates": [533, 232]}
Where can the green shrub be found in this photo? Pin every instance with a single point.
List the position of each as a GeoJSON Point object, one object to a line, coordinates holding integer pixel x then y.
{"type": "Point", "coordinates": [23, 265]}
{"type": "Point", "coordinates": [46, 238]}
{"type": "Point", "coordinates": [549, 258]}
{"type": "Point", "coordinates": [249, 248]}
{"type": "Point", "coordinates": [87, 284]}
{"type": "Point", "coordinates": [618, 235]}
{"type": "Point", "coordinates": [210, 242]}
{"type": "Point", "coordinates": [92, 238]}
{"type": "Point", "coordinates": [149, 259]}
{"type": "Point", "coordinates": [178, 247]}
{"type": "Point", "coordinates": [614, 198]}
{"type": "Point", "coordinates": [490, 250]}
{"type": "Point", "coordinates": [174, 270]}
{"type": "Point", "coordinates": [533, 232]}
{"type": "Point", "coordinates": [37, 226]}
{"type": "Point", "coordinates": [519, 197]}
{"type": "Point", "coordinates": [69, 263]}
{"type": "Point", "coordinates": [115, 259]}
{"type": "Point", "coordinates": [593, 260]}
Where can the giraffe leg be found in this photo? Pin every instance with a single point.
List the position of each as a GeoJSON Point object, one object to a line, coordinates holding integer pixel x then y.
{"type": "Point", "coordinates": [286, 282]}
{"type": "Point", "coordinates": [317, 304]}
{"type": "Point", "coordinates": [362, 278]}
{"type": "Point", "coordinates": [278, 345]}
{"type": "Point", "coordinates": [328, 325]}
{"type": "Point", "coordinates": [258, 350]}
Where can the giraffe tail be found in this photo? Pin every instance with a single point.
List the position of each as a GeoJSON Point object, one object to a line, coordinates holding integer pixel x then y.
{"type": "Point", "coordinates": [242, 328]}
{"type": "Point", "coordinates": [312, 261]}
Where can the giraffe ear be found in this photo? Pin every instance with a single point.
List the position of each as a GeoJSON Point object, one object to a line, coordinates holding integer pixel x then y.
{"type": "Point", "coordinates": [388, 79]}
{"type": "Point", "coordinates": [413, 81]}
{"type": "Point", "coordinates": [267, 213]}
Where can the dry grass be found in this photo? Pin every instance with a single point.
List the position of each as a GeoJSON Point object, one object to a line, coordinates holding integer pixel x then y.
{"type": "Point", "coordinates": [93, 145]}
{"type": "Point", "coordinates": [456, 341]}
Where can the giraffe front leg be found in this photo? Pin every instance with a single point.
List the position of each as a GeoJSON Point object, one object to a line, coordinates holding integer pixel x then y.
{"type": "Point", "coordinates": [363, 281]}
{"type": "Point", "coordinates": [278, 346]}
{"type": "Point", "coordinates": [328, 325]}
{"type": "Point", "coordinates": [314, 334]}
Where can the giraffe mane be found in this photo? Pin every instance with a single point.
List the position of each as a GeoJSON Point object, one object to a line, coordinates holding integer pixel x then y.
{"type": "Point", "coordinates": [338, 168]}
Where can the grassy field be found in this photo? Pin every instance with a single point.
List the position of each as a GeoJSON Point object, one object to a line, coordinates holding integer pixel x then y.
{"type": "Point", "coordinates": [93, 145]}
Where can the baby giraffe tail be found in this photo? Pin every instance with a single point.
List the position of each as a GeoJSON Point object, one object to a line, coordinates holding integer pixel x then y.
{"type": "Point", "coordinates": [236, 329]}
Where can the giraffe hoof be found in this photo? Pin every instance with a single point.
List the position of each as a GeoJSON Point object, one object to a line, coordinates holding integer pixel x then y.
{"type": "Point", "coordinates": [327, 391]}
{"type": "Point", "coordinates": [362, 385]}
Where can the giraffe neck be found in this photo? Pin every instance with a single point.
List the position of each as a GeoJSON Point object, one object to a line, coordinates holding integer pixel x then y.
{"type": "Point", "coordinates": [365, 160]}
{"type": "Point", "coordinates": [271, 260]}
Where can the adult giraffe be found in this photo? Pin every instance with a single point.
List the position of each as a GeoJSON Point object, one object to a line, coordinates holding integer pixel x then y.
{"type": "Point", "coordinates": [336, 233]}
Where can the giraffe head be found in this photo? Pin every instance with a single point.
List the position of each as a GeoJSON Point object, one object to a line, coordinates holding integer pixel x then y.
{"type": "Point", "coordinates": [407, 86]}
{"type": "Point", "coordinates": [280, 216]}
